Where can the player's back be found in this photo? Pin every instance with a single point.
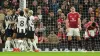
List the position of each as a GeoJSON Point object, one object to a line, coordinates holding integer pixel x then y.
{"type": "Point", "coordinates": [22, 22]}
{"type": "Point", "coordinates": [31, 23]}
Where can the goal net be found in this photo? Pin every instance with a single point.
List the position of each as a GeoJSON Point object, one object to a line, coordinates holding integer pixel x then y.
{"type": "Point", "coordinates": [52, 15]}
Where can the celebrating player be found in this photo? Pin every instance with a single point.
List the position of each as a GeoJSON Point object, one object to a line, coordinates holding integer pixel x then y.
{"type": "Point", "coordinates": [21, 29]}
{"type": "Point", "coordinates": [30, 33]}
{"type": "Point", "coordinates": [9, 29]}
{"type": "Point", "coordinates": [73, 26]}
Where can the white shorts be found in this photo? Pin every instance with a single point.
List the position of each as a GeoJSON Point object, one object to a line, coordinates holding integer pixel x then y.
{"type": "Point", "coordinates": [73, 32]}
{"type": "Point", "coordinates": [91, 32]}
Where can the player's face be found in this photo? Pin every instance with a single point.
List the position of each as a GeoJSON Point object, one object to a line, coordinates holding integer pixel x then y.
{"type": "Point", "coordinates": [72, 9]}
{"type": "Point", "coordinates": [92, 18]}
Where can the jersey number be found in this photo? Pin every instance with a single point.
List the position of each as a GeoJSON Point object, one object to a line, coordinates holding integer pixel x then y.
{"type": "Point", "coordinates": [22, 23]}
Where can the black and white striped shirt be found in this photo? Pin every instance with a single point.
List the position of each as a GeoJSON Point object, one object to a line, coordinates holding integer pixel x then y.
{"type": "Point", "coordinates": [8, 20]}
{"type": "Point", "coordinates": [21, 24]}
{"type": "Point", "coordinates": [31, 23]}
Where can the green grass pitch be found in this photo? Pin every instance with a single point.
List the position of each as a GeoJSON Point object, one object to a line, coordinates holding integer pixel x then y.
{"type": "Point", "coordinates": [49, 53]}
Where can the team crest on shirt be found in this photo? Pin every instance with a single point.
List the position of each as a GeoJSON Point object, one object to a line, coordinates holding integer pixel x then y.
{"type": "Point", "coordinates": [73, 20]}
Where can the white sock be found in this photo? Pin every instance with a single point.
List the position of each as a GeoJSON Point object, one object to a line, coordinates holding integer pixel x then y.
{"type": "Point", "coordinates": [7, 45]}
{"type": "Point", "coordinates": [13, 43]}
{"type": "Point", "coordinates": [26, 45]}
{"type": "Point", "coordinates": [31, 44]}
{"type": "Point", "coordinates": [16, 43]}
{"type": "Point", "coordinates": [35, 46]}
{"type": "Point", "coordinates": [20, 42]}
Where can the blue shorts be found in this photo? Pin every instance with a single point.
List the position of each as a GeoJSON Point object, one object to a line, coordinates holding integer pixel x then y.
{"type": "Point", "coordinates": [9, 32]}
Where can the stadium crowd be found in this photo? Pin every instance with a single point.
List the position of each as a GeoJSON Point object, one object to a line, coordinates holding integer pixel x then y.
{"type": "Point", "coordinates": [51, 15]}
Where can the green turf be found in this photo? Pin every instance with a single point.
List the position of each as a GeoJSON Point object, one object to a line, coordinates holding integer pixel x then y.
{"type": "Point", "coordinates": [50, 54]}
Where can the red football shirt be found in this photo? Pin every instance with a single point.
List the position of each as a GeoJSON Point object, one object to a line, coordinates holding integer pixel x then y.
{"type": "Point", "coordinates": [89, 27]}
{"type": "Point", "coordinates": [73, 19]}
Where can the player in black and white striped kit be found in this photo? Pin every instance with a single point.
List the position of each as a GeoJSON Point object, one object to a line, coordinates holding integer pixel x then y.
{"type": "Point", "coordinates": [9, 23]}
{"type": "Point", "coordinates": [21, 29]}
{"type": "Point", "coordinates": [32, 38]}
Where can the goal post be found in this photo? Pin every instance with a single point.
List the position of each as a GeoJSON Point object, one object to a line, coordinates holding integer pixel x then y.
{"type": "Point", "coordinates": [22, 4]}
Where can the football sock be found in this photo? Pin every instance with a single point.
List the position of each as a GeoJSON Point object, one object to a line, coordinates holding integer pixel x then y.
{"type": "Point", "coordinates": [7, 45]}
{"type": "Point", "coordinates": [69, 45]}
{"type": "Point", "coordinates": [35, 46]}
{"type": "Point", "coordinates": [80, 44]}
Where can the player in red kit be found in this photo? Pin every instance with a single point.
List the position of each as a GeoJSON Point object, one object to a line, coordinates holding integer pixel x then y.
{"type": "Point", "coordinates": [91, 32]}
{"type": "Point", "coordinates": [73, 26]}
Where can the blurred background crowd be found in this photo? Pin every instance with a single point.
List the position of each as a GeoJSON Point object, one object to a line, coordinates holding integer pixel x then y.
{"type": "Point", "coordinates": [50, 24]}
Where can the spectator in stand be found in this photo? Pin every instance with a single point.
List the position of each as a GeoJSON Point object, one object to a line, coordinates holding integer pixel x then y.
{"type": "Point", "coordinates": [1, 23]}
{"type": "Point", "coordinates": [6, 5]}
{"type": "Point", "coordinates": [96, 2]}
{"type": "Point", "coordinates": [90, 11]}
{"type": "Point", "coordinates": [52, 38]}
{"type": "Point", "coordinates": [51, 22]}
{"type": "Point", "coordinates": [34, 7]}
{"type": "Point", "coordinates": [54, 6]}
{"type": "Point", "coordinates": [61, 34]}
{"type": "Point", "coordinates": [91, 2]}
{"type": "Point", "coordinates": [98, 11]}
{"type": "Point", "coordinates": [85, 8]}
{"type": "Point", "coordinates": [39, 12]}
{"type": "Point", "coordinates": [59, 12]}
{"type": "Point", "coordinates": [15, 4]}
{"type": "Point", "coordinates": [60, 20]}
{"type": "Point", "coordinates": [76, 5]}
{"type": "Point", "coordinates": [41, 33]}
{"type": "Point", "coordinates": [81, 10]}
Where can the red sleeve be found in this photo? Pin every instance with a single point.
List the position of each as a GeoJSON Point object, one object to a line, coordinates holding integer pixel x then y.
{"type": "Point", "coordinates": [78, 15]}
{"type": "Point", "coordinates": [97, 25]}
{"type": "Point", "coordinates": [87, 24]}
{"type": "Point", "coordinates": [59, 34]}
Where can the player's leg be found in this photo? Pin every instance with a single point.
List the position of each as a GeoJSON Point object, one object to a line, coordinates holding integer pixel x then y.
{"type": "Point", "coordinates": [22, 46]}
{"type": "Point", "coordinates": [77, 34]}
{"type": "Point", "coordinates": [31, 44]}
{"type": "Point", "coordinates": [8, 34]}
{"type": "Point", "coordinates": [86, 37]}
{"type": "Point", "coordinates": [8, 44]}
{"type": "Point", "coordinates": [92, 33]}
{"type": "Point", "coordinates": [19, 41]}
{"type": "Point", "coordinates": [29, 37]}
{"type": "Point", "coordinates": [70, 34]}
{"type": "Point", "coordinates": [35, 41]}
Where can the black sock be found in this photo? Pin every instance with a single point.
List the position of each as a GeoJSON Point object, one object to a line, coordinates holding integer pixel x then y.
{"type": "Point", "coordinates": [86, 44]}
{"type": "Point", "coordinates": [69, 45]}
{"type": "Point", "coordinates": [93, 43]}
{"type": "Point", "coordinates": [80, 44]}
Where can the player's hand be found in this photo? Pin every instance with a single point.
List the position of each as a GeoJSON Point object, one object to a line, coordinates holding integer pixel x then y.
{"type": "Point", "coordinates": [67, 30]}
{"type": "Point", "coordinates": [80, 28]}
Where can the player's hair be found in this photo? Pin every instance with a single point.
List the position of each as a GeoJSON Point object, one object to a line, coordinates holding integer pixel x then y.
{"type": "Point", "coordinates": [30, 12]}
{"type": "Point", "coordinates": [21, 13]}
{"type": "Point", "coordinates": [72, 6]}
{"type": "Point", "coordinates": [94, 24]}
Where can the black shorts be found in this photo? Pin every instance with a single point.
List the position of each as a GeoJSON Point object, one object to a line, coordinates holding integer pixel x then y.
{"type": "Point", "coordinates": [9, 32]}
{"type": "Point", "coordinates": [21, 35]}
{"type": "Point", "coordinates": [30, 34]}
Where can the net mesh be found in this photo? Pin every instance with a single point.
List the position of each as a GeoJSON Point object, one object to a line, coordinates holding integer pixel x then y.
{"type": "Point", "coordinates": [49, 12]}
